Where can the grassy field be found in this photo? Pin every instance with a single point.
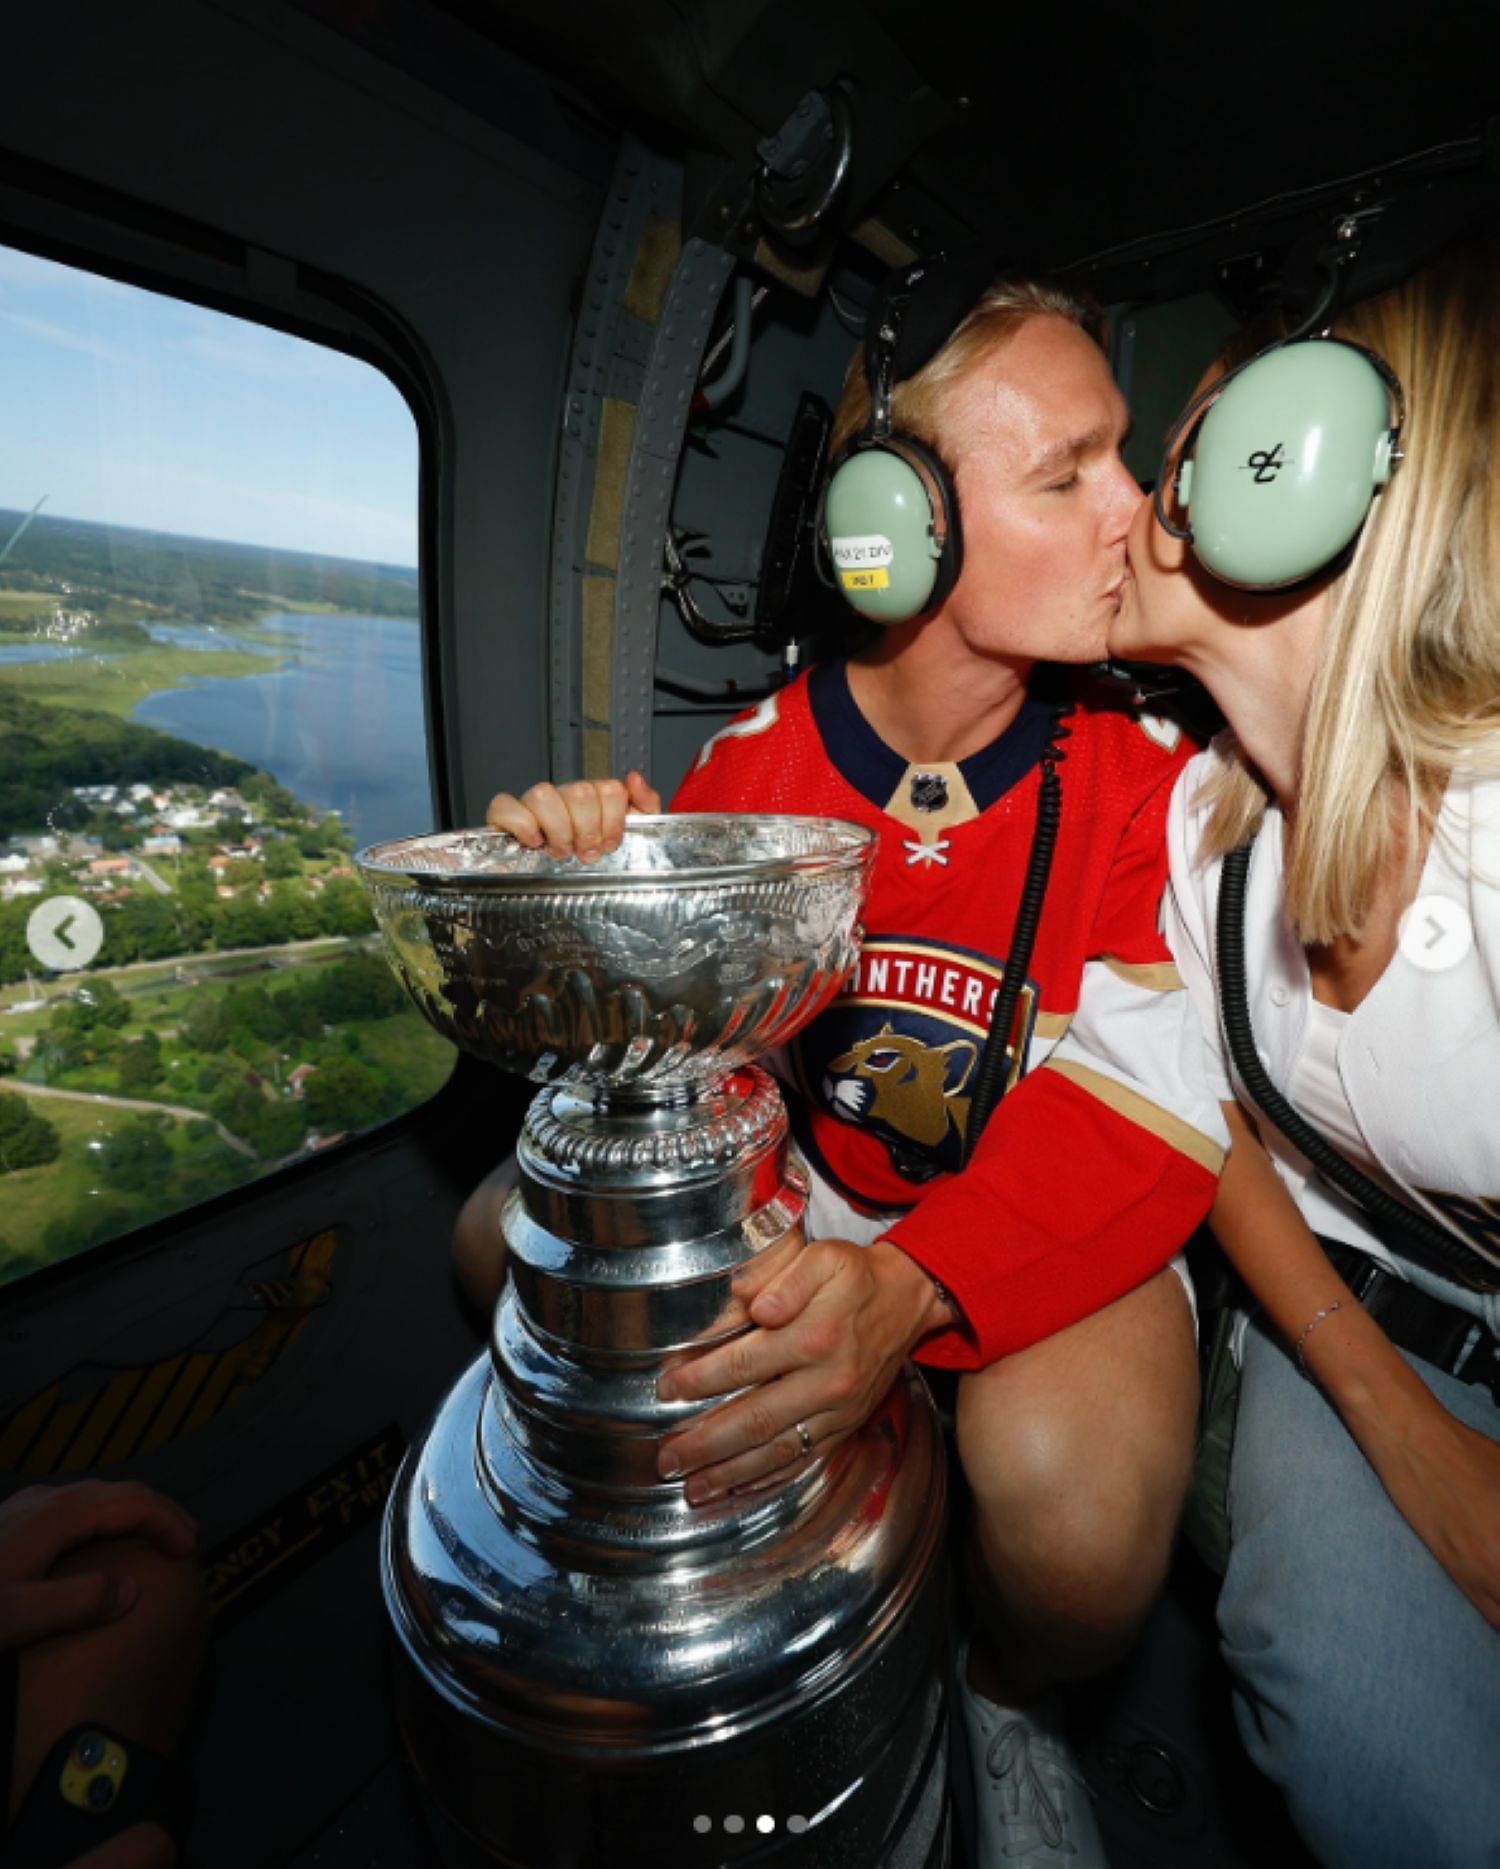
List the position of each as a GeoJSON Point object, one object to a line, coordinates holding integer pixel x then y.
{"type": "Point", "coordinates": [292, 607]}
{"type": "Point", "coordinates": [24, 605]}
{"type": "Point", "coordinates": [401, 1048]}
{"type": "Point", "coordinates": [70, 1189]}
{"type": "Point", "coordinates": [115, 685]}
{"type": "Point", "coordinates": [32, 1197]}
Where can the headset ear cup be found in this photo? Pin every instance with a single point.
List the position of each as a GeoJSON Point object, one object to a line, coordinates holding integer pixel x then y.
{"type": "Point", "coordinates": [1288, 461]}
{"type": "Point", "coordinates": [891, 531]}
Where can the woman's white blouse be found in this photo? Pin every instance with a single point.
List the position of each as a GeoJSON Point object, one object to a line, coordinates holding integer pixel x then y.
{"type": "Point", "coordinates": [1417, 1062]}
{"type": "Point", "coordinates": [1317, 1090]}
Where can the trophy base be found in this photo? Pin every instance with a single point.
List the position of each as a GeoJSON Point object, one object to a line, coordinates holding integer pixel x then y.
{"type": "Point", "coordinates": [581, 1702]}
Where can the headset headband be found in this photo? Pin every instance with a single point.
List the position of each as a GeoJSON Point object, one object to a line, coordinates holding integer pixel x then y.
{"type": "Point", "coordinates": [887, 316]}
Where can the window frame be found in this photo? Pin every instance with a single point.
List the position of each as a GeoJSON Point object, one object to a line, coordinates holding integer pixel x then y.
{"type": "Point", "coordinates": [72, 222]}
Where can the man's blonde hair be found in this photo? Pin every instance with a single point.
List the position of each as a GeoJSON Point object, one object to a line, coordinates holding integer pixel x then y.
{"type": "Point", "coordinates": [917, 407]}
{"type": "Point", "coordinates": [1407, 682]}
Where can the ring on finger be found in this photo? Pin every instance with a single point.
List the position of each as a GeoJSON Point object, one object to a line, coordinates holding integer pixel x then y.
{"type": "Point", "coordinates": [803, 1436]}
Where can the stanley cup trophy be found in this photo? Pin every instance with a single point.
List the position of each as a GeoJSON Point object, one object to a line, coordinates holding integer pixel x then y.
{"type": "Point", "coordinates": [591, 1672]}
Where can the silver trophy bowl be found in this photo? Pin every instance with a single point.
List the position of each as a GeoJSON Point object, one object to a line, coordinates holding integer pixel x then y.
{"type": "Point", "coordinates": [592, 1673]}
{"type": "Point", "coordinates": [701, 943]}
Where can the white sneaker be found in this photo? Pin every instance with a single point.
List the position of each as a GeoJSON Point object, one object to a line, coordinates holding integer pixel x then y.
{"type": "Point", "coordinates": [1029, 1799]}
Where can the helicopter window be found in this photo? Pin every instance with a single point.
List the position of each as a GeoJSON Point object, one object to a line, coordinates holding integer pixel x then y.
{"type": "Point", "coordinates": [210, 696]}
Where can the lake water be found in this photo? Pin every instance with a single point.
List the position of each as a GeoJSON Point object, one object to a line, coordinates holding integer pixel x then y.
{"type": "Point", "coordinates": [32, 650]}
{"type": "Point", "coordinates": [339, 722]}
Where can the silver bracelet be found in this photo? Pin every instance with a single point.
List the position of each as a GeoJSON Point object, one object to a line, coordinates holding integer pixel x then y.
{"type": "Point", "coordinates": [1307, 1330]}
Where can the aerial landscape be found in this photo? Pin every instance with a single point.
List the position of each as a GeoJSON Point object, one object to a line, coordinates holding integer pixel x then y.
{"type": "Point", "coordinates": [196, 736]}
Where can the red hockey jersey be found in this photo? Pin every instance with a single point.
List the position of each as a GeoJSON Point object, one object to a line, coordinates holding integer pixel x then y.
{"type": "Point", "coordinates": [1086, 1181]}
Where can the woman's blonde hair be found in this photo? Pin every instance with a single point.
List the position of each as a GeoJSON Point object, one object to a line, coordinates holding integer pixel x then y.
{"type": "Point", "coordinates": [1407, 682]}
{"type": "Point", "coordinates": [917, 405]}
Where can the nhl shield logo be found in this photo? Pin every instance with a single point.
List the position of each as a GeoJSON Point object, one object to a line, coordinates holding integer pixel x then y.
{"type": "Point", "coordinates": [929, 791]}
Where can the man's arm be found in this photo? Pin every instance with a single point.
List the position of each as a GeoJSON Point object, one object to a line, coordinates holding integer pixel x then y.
{"type": "Point", "coordinates": [835, 1326]}
{"type": "Point", "coordinates": [1099, 1164]}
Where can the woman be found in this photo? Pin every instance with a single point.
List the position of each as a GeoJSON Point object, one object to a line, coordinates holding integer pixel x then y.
{"type": "Point", "coordinates": [1361, 1605]}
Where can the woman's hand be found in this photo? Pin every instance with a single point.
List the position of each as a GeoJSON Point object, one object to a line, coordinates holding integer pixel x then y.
{"type": "Point", "coordinates": [43, 1523]}
{"type": "Point", "coordinates": [1445, 1480]}
{"type": "Point", "coordinates": [583, 819]}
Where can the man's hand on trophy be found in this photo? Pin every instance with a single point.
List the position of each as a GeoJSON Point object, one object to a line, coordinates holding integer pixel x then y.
{"type": "Point", "coordinates": [834, 1329]}
{"type": "Point", "coordinates": [583, 819]}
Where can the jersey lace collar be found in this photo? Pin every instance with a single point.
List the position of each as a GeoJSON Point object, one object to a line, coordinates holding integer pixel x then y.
{"type": "Point", "coordinates": [920, 795]}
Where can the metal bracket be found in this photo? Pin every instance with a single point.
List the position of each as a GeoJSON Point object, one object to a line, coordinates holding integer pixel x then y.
{"type": "Point", "coordinates": [697, 286]}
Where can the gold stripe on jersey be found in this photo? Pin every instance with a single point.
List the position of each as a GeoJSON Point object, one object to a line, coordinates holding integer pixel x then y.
{"type": "Point", "coordinates": [1142, 1112]}
{"type": "Point", "coordinates": [1156, 976]}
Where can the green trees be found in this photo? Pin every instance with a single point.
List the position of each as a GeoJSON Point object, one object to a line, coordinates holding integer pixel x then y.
{"type": "Point", "coordinates": [136, 1158]}
{"type": "Point", "coordinates": [27, 1139]}
{"type": "Point", "coordinates": [95, 1005]}
{"type": "Point", "coordinates": [360, 986]}
{"type": "Point", "coordinates": [344, 1094]}
{"type": "Point", "coordinates": [272, 1128]}
{"type": "Point", "coordinates": [282, 858]}
{"type": "Point", "coordinates": [206, 1024]}
{"type": "Point", "coordinates": [140, 1068]}
{"type": "Point", "coordinates": [345, 911]}
{"type": "Point", "coordinates": [50, 749]}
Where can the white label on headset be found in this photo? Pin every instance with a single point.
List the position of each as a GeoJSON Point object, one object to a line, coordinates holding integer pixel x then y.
{"type": "Point", "coordinates": [866, 553]}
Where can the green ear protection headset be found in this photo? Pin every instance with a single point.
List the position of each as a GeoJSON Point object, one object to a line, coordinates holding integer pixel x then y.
{"type": "Point", "coordinates": [1283, 458]}
{"type": "Point", "coordinates": [890, 520]}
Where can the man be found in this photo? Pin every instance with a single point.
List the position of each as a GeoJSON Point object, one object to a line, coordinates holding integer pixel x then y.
{"type": "Point", "coordinates": [1033, 1257]}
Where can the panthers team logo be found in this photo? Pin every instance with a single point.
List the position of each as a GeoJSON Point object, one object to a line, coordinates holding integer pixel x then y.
{"type": "Point", "coordinates": [898, 1084]}
{"type": "Point", "coordinates": [896, 1051]}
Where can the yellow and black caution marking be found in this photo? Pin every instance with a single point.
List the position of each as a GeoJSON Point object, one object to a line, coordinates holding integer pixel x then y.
{"type": "Point", "coordinates": [95, 1417]}
{"type": "Point", "coordinates": [279, 1543]}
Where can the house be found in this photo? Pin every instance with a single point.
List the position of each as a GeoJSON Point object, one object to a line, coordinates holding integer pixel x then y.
{"type": "Point", "coordinates": [163, 844]}
{"type": "Point", "coordinates": [14, 886]}
{"type": "Point", "coordinates": [110, 866]}
{"type": "Point", "coordinates": [296, 1081]}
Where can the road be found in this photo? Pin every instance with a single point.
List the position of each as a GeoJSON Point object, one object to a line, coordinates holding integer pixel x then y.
{"type": "Point", "coordinates": [179, 1110]}
{"type": "Point", "coordinates": [65, 982]}
{"type": "Point", "coordinates": [158, 883]}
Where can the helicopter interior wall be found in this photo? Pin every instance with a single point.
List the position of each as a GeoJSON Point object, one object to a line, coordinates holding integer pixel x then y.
{"type": "Point", "coordinates": [458, 191]}
{"type": "Point", "coordinates": [262, 125]}
{"type": "Point", "coordinates": [294, 155]}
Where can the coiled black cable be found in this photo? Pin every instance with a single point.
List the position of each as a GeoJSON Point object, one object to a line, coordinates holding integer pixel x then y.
{"type": "Point", "coordinates": [1412, 1230]}
{"type": "Point", "coordinates": [992, 1078]}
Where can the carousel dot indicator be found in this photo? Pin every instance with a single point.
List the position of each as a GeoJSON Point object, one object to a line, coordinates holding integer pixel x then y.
{"type": "Point", "coordinates": [765, 1825]}
{"type": "Point", "coordinates": [734, 1825]}
{"type": "Point", "coordinates": [703, 1825]}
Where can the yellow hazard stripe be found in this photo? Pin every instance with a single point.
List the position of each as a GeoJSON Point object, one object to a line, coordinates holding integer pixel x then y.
{"type": "Point", "coordinates": [24, 1426]}
{"type": "Point", "coordinates": [83, 1451]}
